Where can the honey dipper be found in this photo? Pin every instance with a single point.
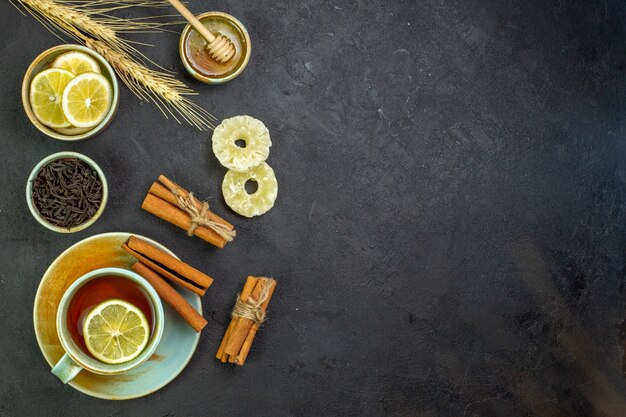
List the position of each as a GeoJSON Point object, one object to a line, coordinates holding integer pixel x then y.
{"type": "Point", "coordinates": [220, 47]}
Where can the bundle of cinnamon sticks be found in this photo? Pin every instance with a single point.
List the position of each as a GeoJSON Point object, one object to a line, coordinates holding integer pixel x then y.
{"type": "Point", "coordinates": [158, 267]}
{"type": "Point", "coordinates": [172, 203]}
{"type": "Point", "coordinates": [248, 314]}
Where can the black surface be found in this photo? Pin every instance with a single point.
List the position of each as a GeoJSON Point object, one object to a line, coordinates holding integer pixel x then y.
{"type": "Point", "coordinates": [449, 231]}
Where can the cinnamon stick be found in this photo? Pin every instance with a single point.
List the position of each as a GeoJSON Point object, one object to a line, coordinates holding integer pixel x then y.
{"type": "Point", "coordinates": [247, 344]}
{"type": "Point", "coordinates": [173, 186]}
{"type": "Point", "coordinates": [170, 262]}
{"type": "Point", "coordinates": [243, 326]}
{"type": "Point", "coordinates": [240, 359]}
{"type": "Point", "coordinates": [248, 287]}
{"type": "Point", "coordinates": [245, 294]}
{"type": "Point", "coordinates": [241, 331]}
{"type": "Point", "coordinates": [220, 351]}
{"type": "Point", "coordinates": [174, 215]}
{"type": "Point", "coordinates": [164, 200]}
{"type": "Point", "coordinates": [165, 194]}
{"type": "Point", "coordinates": [171, 297]}
{"type": "Point", "coordinates": [168, 266]}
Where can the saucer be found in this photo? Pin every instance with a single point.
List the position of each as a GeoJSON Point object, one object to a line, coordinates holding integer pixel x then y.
{"type": "Point", "coordinates": [173, 353]}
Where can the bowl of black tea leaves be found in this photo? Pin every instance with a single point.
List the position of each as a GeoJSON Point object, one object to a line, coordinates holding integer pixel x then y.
{"type": "Point", "coordinates": [66, 192]}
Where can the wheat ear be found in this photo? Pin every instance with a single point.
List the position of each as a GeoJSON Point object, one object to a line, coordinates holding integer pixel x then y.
{"type": "Point", "coordinates": [86, 23]}
{"type": "Point", "coordinates": [67, 16]}
{"type": "Point", "coordinates": [165, 91]}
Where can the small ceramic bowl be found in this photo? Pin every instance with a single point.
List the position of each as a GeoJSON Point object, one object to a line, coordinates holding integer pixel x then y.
{"type": "Point", "coordinates": [29, 192]}
{"type": "Point", "coordinates": [227, 25]}
{"type": "Point", "coordinates": [42, 62]}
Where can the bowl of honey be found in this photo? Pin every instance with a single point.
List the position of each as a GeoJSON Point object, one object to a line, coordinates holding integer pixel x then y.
{"type": "Point", "coordinates": [197, 60]}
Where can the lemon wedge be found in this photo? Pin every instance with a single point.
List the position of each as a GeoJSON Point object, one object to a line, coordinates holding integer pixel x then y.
{"type": "Point", "coordinates": [116, 331]}
{"type": "Point", "coordinates": [87, 99]}
{"type": "Point", "coordinates": [46, 91]}
{"type": "Point", "coordinates": [76, 63]}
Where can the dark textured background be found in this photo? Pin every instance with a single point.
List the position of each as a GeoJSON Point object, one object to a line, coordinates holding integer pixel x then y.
{"type": "Point", "coordinates": [449, 230]}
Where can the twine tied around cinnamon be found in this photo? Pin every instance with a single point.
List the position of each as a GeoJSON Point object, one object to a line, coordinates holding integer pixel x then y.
{"type": "Point", "coordinates": [199, 217]}
{"type": "Point", "coordinates": [251, 309]}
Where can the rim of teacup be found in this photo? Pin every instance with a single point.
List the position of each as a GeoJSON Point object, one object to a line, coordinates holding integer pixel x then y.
{"type": "Point", "coordinates": [85, 361]}
{"type": "Point", "coordinates": [35, 172]}
{"type": "Point", "coordinates": [47, 56]}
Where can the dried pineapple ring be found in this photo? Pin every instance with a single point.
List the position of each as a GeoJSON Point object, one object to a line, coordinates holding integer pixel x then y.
{"type": "Point", "coordinates": [257, 203]}
{"type": "Point", "coordinates": [248, 129]}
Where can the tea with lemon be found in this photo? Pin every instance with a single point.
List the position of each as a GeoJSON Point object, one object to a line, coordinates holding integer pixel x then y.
{"type": "Point", "coordinates": [100, 300]}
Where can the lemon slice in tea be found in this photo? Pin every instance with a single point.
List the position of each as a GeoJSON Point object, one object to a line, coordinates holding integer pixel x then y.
{"type": "Point", "coordinates": [116, 331]}
{"type": "Point", "coordinates": [87, 99]}
{"type": "Point", "coordinates": [46, 91]}
{"type": "Point", "coordinates": [76, 63]}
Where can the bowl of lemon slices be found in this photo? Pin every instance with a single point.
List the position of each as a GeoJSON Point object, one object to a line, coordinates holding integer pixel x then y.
{"type": "Point", "coordinates": [70, 93]}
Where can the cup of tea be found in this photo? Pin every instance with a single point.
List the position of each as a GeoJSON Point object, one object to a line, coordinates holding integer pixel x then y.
{"type": "Point", "coordinates": [94, 303]}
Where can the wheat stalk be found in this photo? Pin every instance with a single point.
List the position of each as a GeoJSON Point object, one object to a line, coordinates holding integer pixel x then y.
{"type": "Point", "coordinates": [165, 91]}
{"type": "Point", "coordinates": [86, 21]}
{"type": "Point", "coordinates": [67, 17]}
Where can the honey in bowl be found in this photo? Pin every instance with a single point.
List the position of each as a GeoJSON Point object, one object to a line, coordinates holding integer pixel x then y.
{"type": "Point", "coordinates": [196, 57]}
{"type": "Point", "coordinates": [97, 291]}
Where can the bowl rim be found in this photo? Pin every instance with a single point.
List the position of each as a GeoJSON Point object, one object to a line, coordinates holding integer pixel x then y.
{"type": "Point", "coordinates": [30, 73]}
{"type": "Point", "coordinates": [214, 80]}
{"type": "Point", "coordinates": [29, 191]}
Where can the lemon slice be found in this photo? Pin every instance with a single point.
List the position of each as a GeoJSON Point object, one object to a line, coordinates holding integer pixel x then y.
{"type": "Point", "coordinates": [46, 91]}
{"type": "Point", "coordinates": [87, 99]}
{"type": "Point", "coordinates": [72, 131]}
{"type": "Point", "coordinates": [76, 63]}
{"type": "Point", "coordinates": [116, 331]}
{"type": "Point", "coordinates": [257, 203]}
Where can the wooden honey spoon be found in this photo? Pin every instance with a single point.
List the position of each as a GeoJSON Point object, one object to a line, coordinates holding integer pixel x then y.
{"type": "Point", "coordinates": [219, 47]}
